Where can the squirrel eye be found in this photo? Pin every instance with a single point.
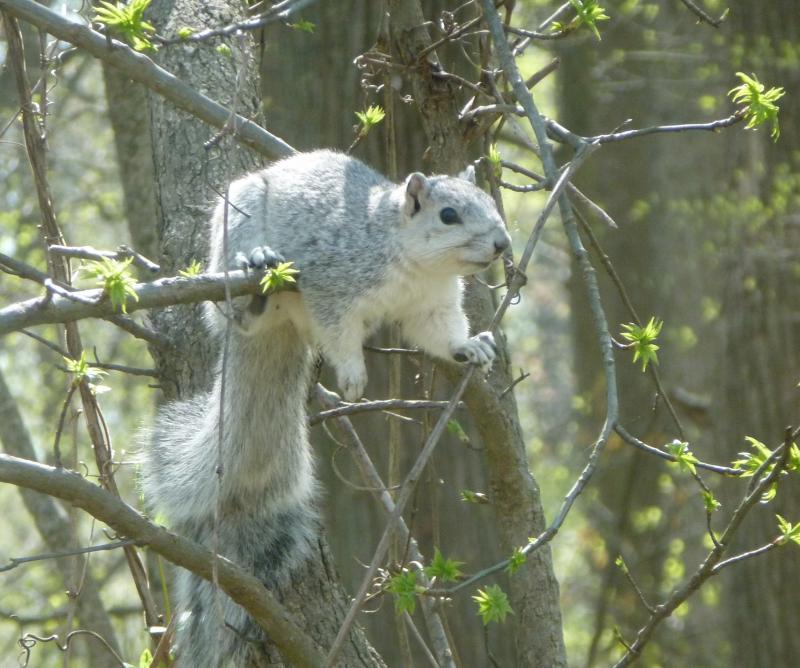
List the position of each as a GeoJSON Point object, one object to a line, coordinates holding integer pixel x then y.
{"type": "Point", "coordinates": [449, 216]}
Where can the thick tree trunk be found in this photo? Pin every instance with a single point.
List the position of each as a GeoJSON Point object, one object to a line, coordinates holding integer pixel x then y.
{"type": "Point", "coordinates": [187, 174]}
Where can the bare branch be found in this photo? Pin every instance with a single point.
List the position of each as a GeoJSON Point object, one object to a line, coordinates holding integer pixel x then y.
{"type": "Point", "coordinates": [18, 561]}
{"type": "Point", "coordinates": [704, 16]}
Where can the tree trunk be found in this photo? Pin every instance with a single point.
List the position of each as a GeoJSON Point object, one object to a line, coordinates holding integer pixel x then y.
{"type": "Point", "coordinates": [186, 175]}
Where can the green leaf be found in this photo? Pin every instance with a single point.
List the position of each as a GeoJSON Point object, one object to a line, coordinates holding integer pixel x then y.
{"type": "Point", "coordinates": [620, 563]}
{"type": "Point", "coordinates": [493, 605]}
{"type": "Point", "coordinates": [711, 504]}
{"type": "Point", "coordinates": [473, 497]}
{"type": "Point", "coordinates": [788, 530]}
{"type": "Point", "coordinates": [369, 118]}
{"type": "Point", "coordinates": [404, 587]}
{"type": "Point", "coordinates": [115, 278]}
{"type": "Point", "coordinates": [446, 570]}
{"type": "Point", "coordinates": [515, 561]}
{"type": "Point", "coordinates": [750, 462]}
{"type": "Point", "coordinates": [223, 50]}
{"type": "Point", "coordinates": [454, 427]}
{"type": "Point", "coordinates": [759, 104]}
{"type": "Point", "coordinates": [587, 13]}
{"type": "Point", "coordinates": [127, 21]}
{"type": "Point", "coordinates": [278, 277]}
{"type": "Point", "coordinates": [683, 456]}
{"type": "Point", "coordinates": [81, 370]}
{"type": "Point", "coordinates": [194, 269]}
{"type": "Point", "coordinates": [495, 161]}
{"type": "Point", "coordinates": [304, 26]}
{"type": "Point", "coordinates": [185, 32]}
{"type": "Point", "coordinates": [643, 340]}
{"type": "Point", "coordinates": [145, 658]}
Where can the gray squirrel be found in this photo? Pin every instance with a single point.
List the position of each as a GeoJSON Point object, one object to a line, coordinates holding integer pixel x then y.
{"type": "Point", "coordinates": [369, 251]}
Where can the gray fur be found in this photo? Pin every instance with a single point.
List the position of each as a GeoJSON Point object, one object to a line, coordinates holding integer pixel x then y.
{"type": "Point", "coordinates": [369, 251]}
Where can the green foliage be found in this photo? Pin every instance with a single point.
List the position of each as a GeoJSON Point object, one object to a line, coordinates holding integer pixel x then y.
{"type": "Point", "coordinates": [789, 531]}
{"type": "Point", "coordinates": [620, 563]}
{"type": "Point", "coordinates": [643, 340]}
{"type": "Point", "coordinates": [710, 502]}
{"type": "Point", "coordinates": [495, 161]}
{"type": "Point", "coordinates": [683, 456]}
{"type": "Point", "coordinates": [194, 269]}
{"type": "Point", "coordinates": [128, 22]}
{"type": "Point", "coordinates": [473, 497]}
{"type": "Point", "coordinates": [759, 104]}
{"type": "Point", "coordinates": [185, 32]}
{"type": "Point", "coordinates": [750, 462]}
{"type": "Point", "coordinates": [454, 427]}
{"type": "Point", "coordinates": [515, 561]}
{"type": "Point", "coordinates": [587, 13]}
{"type": "Point", "coordinates": [369, 118]}
{"type": "Point", "coordinates": [223, 50]}
{"type": "Point", "coordinates": [303, 26]}
{"type": "Point", "coordinates": [404, 587]}
{"type": "Point", "coordinates": [278, 277]}
{"type": "Point", "coordinates": [493, 605]}
{"type": "Point", "coordinates": [145, 658]}
{"type": "Point", "coordinates": [81, 370]}
{"type": "Point", "coordinates": [447, 570]}
{"type": "Point", "coordinates": [115, 278]}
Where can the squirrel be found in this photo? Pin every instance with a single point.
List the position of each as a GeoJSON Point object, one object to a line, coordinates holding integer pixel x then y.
{"type": "Point", "coordinates": [369, 251]}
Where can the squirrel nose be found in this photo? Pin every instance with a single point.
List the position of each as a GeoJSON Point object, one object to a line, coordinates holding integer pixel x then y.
{"type": "Point", "coordinates": [501, 244]}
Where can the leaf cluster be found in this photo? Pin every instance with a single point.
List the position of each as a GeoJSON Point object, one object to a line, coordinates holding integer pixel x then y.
{"type": "Point", "coordinates": [81, 370]}
{"type": "Point", "coordinates": [369, 118]}
{"type": "Point", "coordinates": [587, 13]}
{"type": "Point", "coordinates": [115, 278]}
{"type": "Point", "coordinates": [493, 605]}
{"type": "Point", "coordinates": [759, 104]}
{"type": "Point", "coordinates": [684, 458]}
{"type": "Point", "coordinates": [278, 277]}
{"type": "Point", "coordinates": [643, 340]}
{"type": "Point", "coordinates": [128, 22]}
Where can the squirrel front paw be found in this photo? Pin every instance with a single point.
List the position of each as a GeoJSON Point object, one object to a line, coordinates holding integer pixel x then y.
{"type": "Point", "coordinates": [352, 380]}
{"type": "Point", "coordinates": [479, 349]}
{"type": "Point", "coordinates": [261, 257]}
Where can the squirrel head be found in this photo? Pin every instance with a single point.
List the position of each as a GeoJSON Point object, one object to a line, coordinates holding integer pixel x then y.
{"type": "Point", "coordinates": [450, 225]}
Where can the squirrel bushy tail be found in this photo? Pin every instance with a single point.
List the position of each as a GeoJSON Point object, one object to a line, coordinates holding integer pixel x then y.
{"type": "Point", "coordinates": [264, 499]}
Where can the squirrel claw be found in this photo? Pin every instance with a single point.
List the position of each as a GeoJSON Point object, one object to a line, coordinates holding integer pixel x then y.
{"type": "Point", "coordinates": [261, 257]}
{"type": "Point", "coordinates": [479, 349]}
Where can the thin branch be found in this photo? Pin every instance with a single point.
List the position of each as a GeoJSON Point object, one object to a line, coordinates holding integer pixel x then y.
{"type": "Point", "coordinates": [278, 12]}
{"type": "Point", "coordinates": [382, 405]}
{"type": "Point", "coordinates": [90, 253]}
{"type": "Point", "coordinates": [641, 445]}
{"type": "Point", "coordinates": [243, 587]}
{"type": "Point", "coordinates": [141, 69]}
{"type": "Point", "coordinates": [29, 641]}
{"type": "Point", "coordinates": [703, 15]}
{"type": "Point", "coordinates": [18, 561]}
{"type": "Point", "coordinates": [433, 618]}
{"type": "Point", "coordinates": [713, 126]}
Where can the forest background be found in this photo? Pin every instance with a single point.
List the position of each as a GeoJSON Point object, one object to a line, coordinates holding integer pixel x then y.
{"type": "Point", "coordinates": [698, 228]}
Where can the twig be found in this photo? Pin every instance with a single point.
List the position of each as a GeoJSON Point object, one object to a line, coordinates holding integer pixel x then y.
{"type": "Point", "coordinates": [90, 253]}
{"type": "Point", "coordinates": [733, 119]}
{"type": "Point", "coordinates": [704, 16]}
{"type": "Point", "coordinates": [18, 561]}
{"type": "Point", "coordinates": [278, 12]}
{"type": "Point", "coordinates": [635, 442]}
{"type": "Point", "coordinates": [382, 405]}
{"type": "Point", "coordinates": [29, 640]}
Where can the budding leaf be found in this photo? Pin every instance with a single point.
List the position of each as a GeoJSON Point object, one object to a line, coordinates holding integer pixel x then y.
{"type": "Point", "coordinates": [643, 340]}
{"type": "Point", "coordinates": [493, 605]}
{"type": "Point", "coordinates": [447, 570]}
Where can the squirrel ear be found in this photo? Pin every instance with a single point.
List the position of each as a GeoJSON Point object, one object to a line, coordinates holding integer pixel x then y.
{"type": "Point", "coordinates": [417, 188]}
{"type": "Point", "coordinates": [468, 174]}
